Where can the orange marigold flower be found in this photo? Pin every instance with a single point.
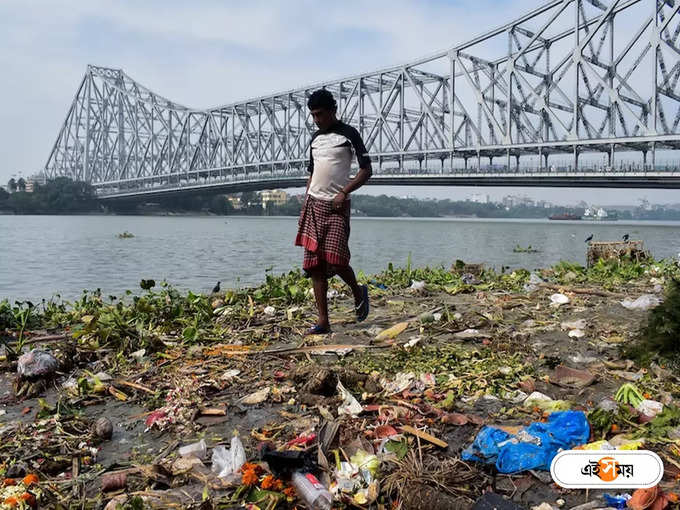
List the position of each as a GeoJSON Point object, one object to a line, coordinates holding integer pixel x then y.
{"type": "Point", "coordinates": [289, 492]}
{"type": "Point", "coordinates": [30, 479]}
{"type": "Point", "coordinates": [28, 498]}
{"type": "Point", "coordinates": [8, 482]}
{"type": "Point", "coordinates": [250, 466]}
{"type": "Point", "coordinates": [249, 478]}
{"type": "Point", "coordinates": [11, 501]}
{"type": "Point", "coordinates": [269, 482]}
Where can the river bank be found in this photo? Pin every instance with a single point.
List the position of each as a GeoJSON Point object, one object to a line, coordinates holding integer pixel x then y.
{"type": "Point", "coordinates": [435, 362]}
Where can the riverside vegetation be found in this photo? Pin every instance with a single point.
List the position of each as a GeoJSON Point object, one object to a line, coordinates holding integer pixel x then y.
{"type": "Point", "coordinates": [63, 196]}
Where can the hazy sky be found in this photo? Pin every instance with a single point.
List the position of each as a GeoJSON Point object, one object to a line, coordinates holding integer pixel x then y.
{"type": "Point", "coordinates": [206, 53]}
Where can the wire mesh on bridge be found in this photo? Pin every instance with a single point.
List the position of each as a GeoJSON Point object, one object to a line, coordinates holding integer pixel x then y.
{"type": "Point", "coordinates": [526, 102]}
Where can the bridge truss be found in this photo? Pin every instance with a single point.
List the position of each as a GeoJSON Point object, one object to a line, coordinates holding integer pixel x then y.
{"type": "Point", "coordinates": [570, 79]}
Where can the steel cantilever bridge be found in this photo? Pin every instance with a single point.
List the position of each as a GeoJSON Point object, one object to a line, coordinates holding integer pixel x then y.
{"type": "Point", "coordinates": [574, 93]}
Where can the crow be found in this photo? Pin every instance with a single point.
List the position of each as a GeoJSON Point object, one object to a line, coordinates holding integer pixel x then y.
{"type": "Point", "coordinates": [625, 237]}
{"type": "Point", "coordinates": [590, 238]}
{"type": "Point", "coordinates": [216, 289]}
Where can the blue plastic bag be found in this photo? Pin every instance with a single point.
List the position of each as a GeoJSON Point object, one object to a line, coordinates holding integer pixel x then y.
{"type": "Point", "coordinates": [620, 501]}
{"type": "Point", "coordinates": [534, 447]}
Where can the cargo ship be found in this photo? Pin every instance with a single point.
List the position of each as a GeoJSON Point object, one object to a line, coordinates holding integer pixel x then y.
{"type": "Point", "coordinates": [564, 216]}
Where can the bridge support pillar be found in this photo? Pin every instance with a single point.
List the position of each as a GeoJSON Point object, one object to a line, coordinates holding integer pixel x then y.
{"type": "Point", "coordinates": [644, 159]}
{"type": "Point", "coordinates": [517, 159]}
{"type": "Point", "coordinates": [545, 156]}
{"type": "Point", "coordinates": [465, 163]}
{"type": "Point", "coordinates": [575, 159]}
{"type": "Point", "coordinates": [479, 162]}
{"type": "Point", "coordinates": [653, 156]}
{"type": "Point", "coordinates": [611, 157]}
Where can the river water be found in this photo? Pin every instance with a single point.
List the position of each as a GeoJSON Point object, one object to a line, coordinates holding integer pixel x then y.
{"type": "Point", "coordinates": [44, 255]}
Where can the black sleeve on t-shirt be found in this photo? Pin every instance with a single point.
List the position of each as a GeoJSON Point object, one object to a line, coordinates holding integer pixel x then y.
{"type": "Point", "coordinates": [354, 137]}
{"type": "Point", "coordinates": [310, 166]}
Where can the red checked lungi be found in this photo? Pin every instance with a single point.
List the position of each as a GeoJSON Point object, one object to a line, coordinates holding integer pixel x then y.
{"type": "Point", "coordinates": [324, 233]}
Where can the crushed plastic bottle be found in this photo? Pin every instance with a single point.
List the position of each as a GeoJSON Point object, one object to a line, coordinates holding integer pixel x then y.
{"type": "Point", "coordinates": [198, 450]}
{"type": "Point", "coordinates": [226, 461]}
{"type": "Point", "coordinates": [311, 491]}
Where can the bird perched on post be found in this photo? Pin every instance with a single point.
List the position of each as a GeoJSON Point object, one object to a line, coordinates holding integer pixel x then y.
{"type": "Point", "coordinates": [590, 238]}
{"type": "Point", "coordinates": [625, 237]}
{"type": "Point", "coordinates": [216, 288]}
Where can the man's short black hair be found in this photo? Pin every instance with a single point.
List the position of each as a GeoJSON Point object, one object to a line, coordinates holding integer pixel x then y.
{"type": "Point", "coordinates": [322, 98]}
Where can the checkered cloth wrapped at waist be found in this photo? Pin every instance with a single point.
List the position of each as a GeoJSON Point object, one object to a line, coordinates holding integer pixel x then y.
{"type": "Point", "coordinates": [324, 233]}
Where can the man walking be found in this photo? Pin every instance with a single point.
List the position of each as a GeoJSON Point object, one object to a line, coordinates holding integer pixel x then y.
{"type": "Point", "coordinates": [323, 228]}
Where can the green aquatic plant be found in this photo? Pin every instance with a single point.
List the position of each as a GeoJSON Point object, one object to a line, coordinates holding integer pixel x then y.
{"type": "Point", "coordinates": [660, 336]}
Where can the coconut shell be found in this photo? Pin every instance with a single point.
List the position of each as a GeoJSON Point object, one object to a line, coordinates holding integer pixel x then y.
{"type": "Point", "coordinates": [103, 428]}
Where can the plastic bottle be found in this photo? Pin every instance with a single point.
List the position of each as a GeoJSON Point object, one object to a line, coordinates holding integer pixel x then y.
{"type": "Point", "coordinates": [311, 491]}
{"type": "Point", "coordinates": [198, 450]}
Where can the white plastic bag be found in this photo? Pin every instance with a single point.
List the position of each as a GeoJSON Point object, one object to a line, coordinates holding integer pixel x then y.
{"type": "Point", "coordinates": [644, 302]}
{"type": "Point", "coordinates": [226, 461]}
{"type": "Point", "coordinates": [558, 299]}
{"type": "Point", "coordinates": [534, 279]}
{"type": "Point", "coordinates": [650, 407]}
{"type": "Point", "coordinates": [350, 405]}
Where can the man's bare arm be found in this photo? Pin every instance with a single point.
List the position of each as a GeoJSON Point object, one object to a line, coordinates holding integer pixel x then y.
{"type": "Point", "coordinates": [359, 180]}
{"type": "Point", "coordinates": [363, 175]}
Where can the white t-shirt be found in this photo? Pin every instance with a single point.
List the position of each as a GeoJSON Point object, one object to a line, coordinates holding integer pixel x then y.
{"type": "Point", "coordinates": [330, 159]}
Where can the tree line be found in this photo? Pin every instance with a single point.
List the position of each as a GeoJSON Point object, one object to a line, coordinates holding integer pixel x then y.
{"type": "Point", "coordinates": [64, 196]}
{"type": "Point", "coordinates": [58, 196]}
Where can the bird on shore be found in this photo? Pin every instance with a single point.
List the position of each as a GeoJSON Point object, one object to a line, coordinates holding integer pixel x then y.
{"type": "Point", "coordinates": [590, 238]}
{"type": "Point", "coordinates": [625, 237]}
{"type": "Point", "coordinates": [216, 288]}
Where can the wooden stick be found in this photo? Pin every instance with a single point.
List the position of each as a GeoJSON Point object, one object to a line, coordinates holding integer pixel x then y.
{"type": "Point", "coordinates": [134, 385]}
{"type": "Point", "coordinates": [46, 338]}
{"type": "Point", "coordinates": [424, 435]}
{"type": "Point", "coordinates": [213, 411]}
{"type": "Point", "coordinates": [576, 290]}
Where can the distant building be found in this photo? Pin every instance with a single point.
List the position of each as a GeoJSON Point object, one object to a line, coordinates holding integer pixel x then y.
{"type": "Point", "coordinates": [645, 205]}
{"type": "Point", "coordinates": [235, 202]}
{"type": "Point", "coordinates": [34, 181]}
{"type": "Point", "coordinates": [516, 201]}
{"type": "Point", "coordinates": [480, 198]}
{"type": "Point", "coordinates": [275, 197]}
